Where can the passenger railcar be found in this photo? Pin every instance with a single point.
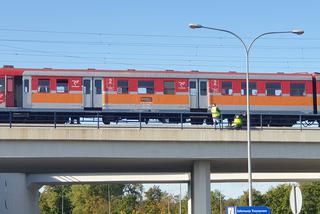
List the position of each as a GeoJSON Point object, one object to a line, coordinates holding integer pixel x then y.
{"type": "Point", "coordinates": [113, 92]}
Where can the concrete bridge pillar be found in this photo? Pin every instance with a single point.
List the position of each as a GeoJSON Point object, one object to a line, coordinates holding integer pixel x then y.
{"type": "Point", "coordinates": [200, 188]}
{"type": "Point", "coordinates": [16, 196]}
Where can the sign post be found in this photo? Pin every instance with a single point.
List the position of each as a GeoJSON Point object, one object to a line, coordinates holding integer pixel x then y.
{"type": "Point", "coordinates": [295, 199]}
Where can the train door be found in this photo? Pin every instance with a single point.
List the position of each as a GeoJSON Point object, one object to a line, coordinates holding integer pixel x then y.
{"type": "Point", "coordinates": [203, 94]}
{"type": "Point", "coordinates": [26, 92]}
{"type": "Point", "coordinates": [193, 91]}
{"type": "Point", "coordinates": [198, 89]}
{"type": "Point", "coordinates": [92, 92]}
{"type": "Point", "coordinates": [87, 93]}
{"type": "Point", "coordinates": [97, 93]}
{"type": "Point", "coordinates": [9, 91]}
{"type": "Point", "coordinates": [18, 91]}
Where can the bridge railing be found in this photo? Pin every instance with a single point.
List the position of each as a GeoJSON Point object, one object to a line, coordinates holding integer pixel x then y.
{"type": "Point", "coordinates": [130, 119]}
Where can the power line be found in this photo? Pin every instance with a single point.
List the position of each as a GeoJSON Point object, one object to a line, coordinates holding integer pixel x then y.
{"type": "Point", "coordinates": [137, 35]}
{"type": "Point", "coordinates": [160, 64]}
{"type": "Point", "coordinates": [275, 60]}
{"type": "Point", "coordinates": [161, 55]}
{"type": "Point", "coordinates": [166, 45]}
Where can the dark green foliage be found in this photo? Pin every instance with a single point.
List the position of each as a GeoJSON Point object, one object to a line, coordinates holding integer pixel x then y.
{"type": "Point", "coordinates": [311, 197]}
{"type": "Point", "coordinates": [277, 199]}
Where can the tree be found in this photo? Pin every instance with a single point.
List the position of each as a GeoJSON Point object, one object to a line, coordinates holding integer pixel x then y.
{"type": "Point", "coordinates": [153, 198]}
{"type": "Point", "coordinates": [94, 198]}
{"type": "Point", "coordinates": [55, 198]}
{"type": "Point", "coordinates": [311, 197]}
{"type": "Point", "coordinates": [129, 202]}
{"type": "Point", "coordinates": [258, 199]}
{"type": "Point", "coordinates": [277, 199]}
{"type": "Point", "coordinates": [217, 202]}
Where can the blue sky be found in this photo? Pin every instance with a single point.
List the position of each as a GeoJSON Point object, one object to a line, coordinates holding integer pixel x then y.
{"type": "Point", "coordinates": [153, 35]}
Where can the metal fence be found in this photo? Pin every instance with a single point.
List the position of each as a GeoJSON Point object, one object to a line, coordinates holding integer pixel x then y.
{"type": "Point", "coordinates": [97, 119]}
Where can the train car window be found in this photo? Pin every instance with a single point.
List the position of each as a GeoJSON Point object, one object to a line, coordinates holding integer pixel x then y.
{"type": "Point", "coordinates": [297, 89]}
{"type": "Point", "coordinates": [26, 86]}
{"type": "Point", "coordinates": [252, 88]}
{"type": "Point", "coordinates": [203, 88]}
{"type": "Point", "coordinates": [273, 89]}
{"type": "Point", "coordinates": [98, 84]}
{"type": "Point", "coordinates": [2, 88]}
{"type": "Point", "coordinates": [87, 86]}
{"type": "Point", "coordinates": [62, 86]}
{"type": "Point", "coordinates": [168, 87]}
{"type": "Point", "coordinates": [193, 84]}
{"type": "Point", "coordinates": [145, 87]}
{"type": "Point", "coordinates": [226, 88]}
{"type": "Point", "coordinates": [43, 86]}
{"type": "Point", "coordinates": [10, 84]}
{"type": "Point", "coordinates": [123, 87]}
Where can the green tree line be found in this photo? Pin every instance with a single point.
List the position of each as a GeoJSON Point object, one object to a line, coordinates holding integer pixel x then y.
{"type": "Point", "coordinates": [132, 199]}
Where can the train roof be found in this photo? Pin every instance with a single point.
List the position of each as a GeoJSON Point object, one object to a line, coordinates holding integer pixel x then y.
{"type": "Point", "coordinates": [10, 70]}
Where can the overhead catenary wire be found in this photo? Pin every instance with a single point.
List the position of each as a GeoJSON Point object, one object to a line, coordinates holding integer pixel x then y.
{"type": "Point", "coordinates": [143, 44]}
{"type": "Point", "coordinates": [274, 60]}
{"type": "Point", "coordinates": [144, 52]}
{"type": "Point", "coordinates": [137, 35]}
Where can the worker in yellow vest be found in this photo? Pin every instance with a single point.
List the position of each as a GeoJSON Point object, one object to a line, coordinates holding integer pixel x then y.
{"type": "Point", "coordinates": [237, 122]}
{"type": "Point", "coordinates": [215, 112]}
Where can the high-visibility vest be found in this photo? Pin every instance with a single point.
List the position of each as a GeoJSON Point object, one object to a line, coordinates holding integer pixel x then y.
{"type": "Point", "coordinates": [237, 121]}
{"type": "Point", "coordinates": [215, 111]}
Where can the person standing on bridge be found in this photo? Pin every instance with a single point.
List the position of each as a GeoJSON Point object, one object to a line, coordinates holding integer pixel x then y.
{"type": "Point", "coordinates": [215, 112]}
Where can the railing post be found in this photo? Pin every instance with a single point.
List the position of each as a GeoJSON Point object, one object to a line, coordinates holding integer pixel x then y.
{"type": "Point", "coordinates": [181, 120]}
{"type": "Point", "coordinates": [10, 119]}
{"type": "Point", "coordinates": [98, 120]}
{"type": "Point", "coordinates": [55, 119]}
{"type": "Point", "coordinates": [140, 126]}
{"type": "Point", "coordinates": [300, 119]}
{"type": "Point", "coordinates": [261, 124]}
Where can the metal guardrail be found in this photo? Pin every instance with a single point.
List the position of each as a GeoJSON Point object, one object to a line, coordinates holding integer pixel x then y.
{"type": "Point", "coordinates": [141, 120]}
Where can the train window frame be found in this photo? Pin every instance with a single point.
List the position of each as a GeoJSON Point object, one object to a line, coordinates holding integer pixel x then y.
{"type": "Point", "coordinates": [226, 89]}
{"type": "Point", "coordinates": [42, 86]}
{"type": "Point", "coordinates": [87, 86]}
{"type": "Point", "coordinates": [168, 89]}
{"type": "Point", "coordinates": [271, 90]}
{"type": "Point", "coordinates": [203, 88]}
{"type": "Point", "coordinates": [253, 90]}
{"type": "Point", "coordinates": [98, 86]}
{"type": "Point", "coordinates": [26, 83]}
{"type": "Point", "coordinates": [145, 86]}
{"type": "Point", "coordinates": [298, 90]}
{"type": "Point", "coordinates": [123, 88]}
{"type": "Point", "coordinates": [193, 84]}
{"type": "Point", "coordinates": [62, 86]}
{"type": "Point", "coordinates": [2, 85]}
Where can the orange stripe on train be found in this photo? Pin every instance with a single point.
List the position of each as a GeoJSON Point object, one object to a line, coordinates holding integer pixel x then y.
{"type": "Point", "coordinates": [56, 98]}
{"type": "Point", "coordinates": [146, 98]}
{"type": "Point", "coordinates": [262, 100]}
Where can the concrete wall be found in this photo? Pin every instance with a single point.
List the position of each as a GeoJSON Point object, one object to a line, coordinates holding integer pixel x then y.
{"type": "Point", "coordinates": [16, 196]}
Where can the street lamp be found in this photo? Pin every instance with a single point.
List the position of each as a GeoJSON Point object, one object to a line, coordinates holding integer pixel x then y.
{"type": "Point", "coordinates": [247, 49]}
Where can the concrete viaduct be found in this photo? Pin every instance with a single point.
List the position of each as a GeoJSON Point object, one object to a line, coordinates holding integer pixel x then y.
{"type": "Point", "coordinates": [31, 157]}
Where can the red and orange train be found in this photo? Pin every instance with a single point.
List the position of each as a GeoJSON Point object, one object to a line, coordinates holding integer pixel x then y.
{"type": "Point", "coordinates": [113, 92]}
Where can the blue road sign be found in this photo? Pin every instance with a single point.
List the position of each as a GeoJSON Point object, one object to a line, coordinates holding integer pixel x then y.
{"type": "Point", "coordinates": [248, 209]}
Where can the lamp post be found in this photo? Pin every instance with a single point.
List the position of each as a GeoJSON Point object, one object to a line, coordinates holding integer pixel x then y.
{"type": "Point", "coordinates": [247, 50]}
